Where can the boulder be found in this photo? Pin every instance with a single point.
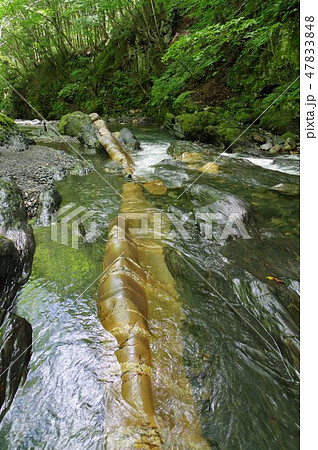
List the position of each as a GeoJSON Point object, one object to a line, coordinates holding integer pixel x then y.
{"type": "Point", "coordinates": [10, 136]}
{"type": "Point", "coordinates": [79, 125]}
{"type": "Point", "coordinates": [193, 157]}
{"type": "Point", "coordinates": [233, 216]}
{"type": "Point", "coordinates": [16, 253]}
{"type": "Point", "coordinates": [210, 168]}
{"type": "Point", "coordinates": [288, 189]}
{"type": "Point", "coordinates": [258, 138]}
{"type": "Point", "coordinates": [13, 226]}
{"type": "Point", "coordinates": [10, 271]}
{"type": "Point", "coordinates": [229, 134]}
{"type": "Point", "coordinates": [199, 126]}
{"type": "Point", "coordinates": [275, 149]}
{"type": "Point", "coordinates": [179, 149]}
{"type": "Point", "coordinates": [156, 187]}
{"type": "Point", "coordinates": [15, 348]}
{"type": "Point", "coordinates": [49, 201]}
{"type": "Point", "coordinates": [128, 140]}
{"type": "Point", "coordinates": [266, 146]}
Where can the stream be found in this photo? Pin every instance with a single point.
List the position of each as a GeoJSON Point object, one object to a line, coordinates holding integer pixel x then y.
{"type": "Point", "coordinates": [240, 329]}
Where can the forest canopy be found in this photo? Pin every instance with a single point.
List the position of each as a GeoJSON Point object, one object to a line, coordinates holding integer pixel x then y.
{"type": "Point", "coordinates": [159, 55]}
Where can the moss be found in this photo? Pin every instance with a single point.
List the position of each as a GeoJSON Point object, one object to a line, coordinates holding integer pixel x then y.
{"type": "Point", "coordinates": [279, 121]}
{"type": "Point", "coordinates": [199, 126]}
{"type": "Point", "coordinates": [7, 126]}
{"type": "Point", "coordinates": [245, 115]}
{"type": "Point", "coordinates": [290, 135]}
{"type": "Point", "coordinates": [228, 133]}
{"type": "Point", "coordinates": [169, 121]}
{"type": "Point", "coordinates": [78, 124]}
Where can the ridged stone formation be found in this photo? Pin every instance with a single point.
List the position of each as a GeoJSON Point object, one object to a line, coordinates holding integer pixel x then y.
{"type": "Point", "coordinates": [138, 304]}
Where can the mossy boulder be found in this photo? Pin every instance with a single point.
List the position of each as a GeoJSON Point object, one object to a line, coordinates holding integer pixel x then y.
{"type": "Point", "coordinates": [245, 115]}
{"type": "Point", "coordinates": [280, 121]}
{"type": "Point", "coordinates": [79, 125]}
{"type": "Point", "coordinates": [228, 133]}
{"type": "Point", "coordinates": [10, 136]}
{"type": "Point", "coordinates": [199, 126]}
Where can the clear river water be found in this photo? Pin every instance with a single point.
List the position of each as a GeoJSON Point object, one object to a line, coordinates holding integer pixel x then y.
{"type": "Point", "coordinates": [239, 329]}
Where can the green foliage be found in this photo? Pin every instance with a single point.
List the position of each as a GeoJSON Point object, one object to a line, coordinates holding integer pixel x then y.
{"type": "Point", "coordinates": [114, 55]}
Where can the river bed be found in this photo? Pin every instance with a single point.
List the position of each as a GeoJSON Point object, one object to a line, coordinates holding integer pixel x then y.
{"type": "Point", "coordinates": [240, 328]}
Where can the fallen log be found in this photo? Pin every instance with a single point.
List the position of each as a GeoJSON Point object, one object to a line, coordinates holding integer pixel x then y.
{"type": "Point", "coordinates": [112, 146]}
{"type": "Point", "coordinates": [138, 304]}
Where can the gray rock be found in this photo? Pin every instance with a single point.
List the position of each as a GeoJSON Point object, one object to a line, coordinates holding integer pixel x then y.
{"type": "Point", "coordinates": [128, 139]}
{"type": "Point", "coordinates": [275, 149]}
{"type": "Point", "coordinates": [15, 348]}
{"type": "Point", "coordinates": [258, 138]}
{"type": "Point", "coordinates": [234, 215]}
{"type": "Point", "coordinates": [13, 225]}
{"type": "Point", "coordinates": [49, 201]}
{"type": "Point", "coordinates": [79, 125]}
{"type": "Point", "coordinates": [16, 253]}
{"type": "Point", "coordinates": [266, 146]}
{"type": "Point", "coordinates": [10, 136]}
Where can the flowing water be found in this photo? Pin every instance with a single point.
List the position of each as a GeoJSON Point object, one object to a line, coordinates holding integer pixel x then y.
{"type": "Point", "coordinates": [239, 329]}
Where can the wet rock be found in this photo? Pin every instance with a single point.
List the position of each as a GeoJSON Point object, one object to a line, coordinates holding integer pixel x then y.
{"type": "Point", "coordinates": [79, 125]}
{"type": "Point", "coordinates": [261, 299]}
{"type": "Point", "coordinates": [10, 136]}
{"type": "Point", "coordinates": [191, 157]}
{"type": "Point", "coordinates": [15, 349]}
{"type": "Point", "coordinates": [36, 169]}
{"type": "Point", "coordinates": [16, 253]}
{"type": "Point", "coordinates": [233, 217]}
{"type": "Point", "coordinates": [275, 149]}
{"type": "Point", "coordinates": [128, 139]}
{"type": "Point", "coordinates": [49, 201]}
{"type": "Point", "coordinates": [13, 225]}
{"type": "Point", "coordinates": [266, 146]}
{"type": "Point", "coordinates": [258, 138]}
{"type": "Point", "coordinates": [156, 187]}
{"type": "Point", "coordinates": [180, 176]}
{"type": "Point", "coordinates": [180, 148]}
{"type": "Point", "coordinates": [287, 189]}
{"type": "Point", "coordinates": [210, 168]}
{"type": "Point", "coordinates": [10, 272]}
{"type": "Point", "coordinates": [289, 145]}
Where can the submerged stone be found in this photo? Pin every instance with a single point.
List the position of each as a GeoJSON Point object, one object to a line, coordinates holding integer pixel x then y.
{"type": "Point", "coordinates": [210, 168]}
{"type": "Point", "coordinates": [191, 157]}
{"type": "Point", "coordinates": [156, 187]}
